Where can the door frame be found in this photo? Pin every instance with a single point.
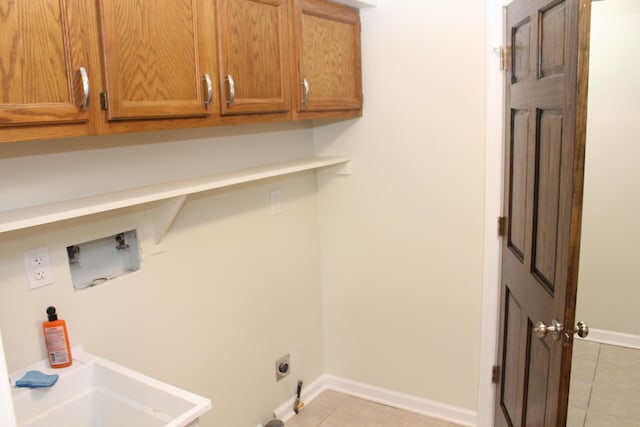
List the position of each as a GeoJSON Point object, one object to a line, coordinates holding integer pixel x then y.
{"type": "Point", "coordinates": [494, 172]}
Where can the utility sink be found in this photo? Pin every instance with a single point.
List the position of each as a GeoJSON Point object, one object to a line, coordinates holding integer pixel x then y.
{"type": "Point", "coordinates": [95, 392]}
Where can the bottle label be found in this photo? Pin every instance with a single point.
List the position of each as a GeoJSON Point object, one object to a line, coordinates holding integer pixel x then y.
{"type": "Point", "coordinates": [56, 345]}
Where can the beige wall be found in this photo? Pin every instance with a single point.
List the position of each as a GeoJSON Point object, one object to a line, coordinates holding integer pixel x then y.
{"type": "Point", "coordinates": [402, 237]}
{"type": "Point", "coordinates": [234, 289]}
{"type": "Point", "coordinates": [609, 287]}
{"type": "Point", "coordinates": [387, 292]}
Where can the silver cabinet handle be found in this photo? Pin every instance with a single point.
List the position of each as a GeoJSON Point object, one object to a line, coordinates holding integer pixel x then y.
{"type": "Point", "coordinates": [232, 90]}
{"type": "Point", "coordinates": [307, 91]}
{"type": "Point", "coordinates": [207, 80]}
{"type": "Point", "coordinates": [84, 78]}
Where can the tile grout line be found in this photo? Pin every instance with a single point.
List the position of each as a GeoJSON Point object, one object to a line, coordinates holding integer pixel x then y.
{"type": "Point", "coordinates": [333, 409]}
{"type": "Point", "coordinates": [593, 379]}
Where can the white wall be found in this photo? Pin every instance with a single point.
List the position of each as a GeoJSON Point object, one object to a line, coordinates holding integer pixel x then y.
{"type": "Point", "coordinates": [388, 292]}
{"type": "Point", "coordinates": [609, 286]}
{"type": "Point", "coordinates": [402, 237]}
{"type": "Point", "coordinates": [234, 289]}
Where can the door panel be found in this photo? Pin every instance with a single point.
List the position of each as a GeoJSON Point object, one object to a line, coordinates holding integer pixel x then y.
{"type": "Point", "coordinates": [515, 343]}
{"type": "Point", "coordinates": [42, 53]}
{"type": "Point", "coordinates": [327, 53]}
{"type": "Point", "coordinates": [547, 192]}
{"type": "Point", "coordinates": [253, 53]}
{"type": "Point", "coordinates": [153, 66]}
{"type": "Point", "coordinates": [537, 381]}
{"type": "Point", "coordinates": [518, 168]}
{"type": "Point", "coordinates": [521, 38]}
{"type": "Point", "coordinates": [315, 31]}
{"type": "Point", "coordinates": [552, 42]}
{"type": "Point", "coordinates": [545, 130]}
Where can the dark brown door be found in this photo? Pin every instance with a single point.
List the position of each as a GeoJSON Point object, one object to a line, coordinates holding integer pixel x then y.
{"type": "Point", "coordinates": [546, 89]}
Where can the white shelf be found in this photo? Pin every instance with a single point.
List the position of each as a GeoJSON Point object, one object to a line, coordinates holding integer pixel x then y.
{"type": "Point", "coordinates": [173, 193]}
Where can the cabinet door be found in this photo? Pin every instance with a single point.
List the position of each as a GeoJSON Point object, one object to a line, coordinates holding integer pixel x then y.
{"type": "Point", "coordinates": [253, 56]}
{"type": "Point", "coordinates": [327, 42]}
{"type": "Point", "coordinates": [154, 62]}
{"type": "Point", "coordinates": [43, 64]}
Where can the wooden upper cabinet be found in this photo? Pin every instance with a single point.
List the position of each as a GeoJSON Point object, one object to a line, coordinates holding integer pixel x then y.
{"type": "Point", "coordinates": [44, 67]}
{"type": "Point", "coordinates": [327, 57]}
{"type": "Point", "coordinates": [253, 56]}
{"type": "Point", "coordinates": [156, 63]}
{"type": "Point", "coordinates": [78, 67]}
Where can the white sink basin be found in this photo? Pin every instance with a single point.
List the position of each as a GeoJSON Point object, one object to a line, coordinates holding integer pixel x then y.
{"type": "Point", "coordinates": [94, 392]}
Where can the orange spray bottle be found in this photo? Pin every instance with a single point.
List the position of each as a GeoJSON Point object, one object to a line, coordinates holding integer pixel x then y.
{"type": "Point", "coordinates": [56, 339]}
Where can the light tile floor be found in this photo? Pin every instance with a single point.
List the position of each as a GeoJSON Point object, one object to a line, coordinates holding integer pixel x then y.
{"type": "Point", "coordinates": [605, 386]}
{"type": "Point", "coordinates": [605, 392]}
{"type": "Point", "coordinates": [333, 409]}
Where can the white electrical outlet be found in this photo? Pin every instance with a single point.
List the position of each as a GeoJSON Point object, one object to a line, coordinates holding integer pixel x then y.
{"type": "Point", "coordinates": [38, 266]}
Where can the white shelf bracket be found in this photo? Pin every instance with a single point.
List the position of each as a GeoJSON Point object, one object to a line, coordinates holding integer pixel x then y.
{"type": "Point", "coordinates": [344, 168]}
{"type": "Point", "coordinates": [164, 214]}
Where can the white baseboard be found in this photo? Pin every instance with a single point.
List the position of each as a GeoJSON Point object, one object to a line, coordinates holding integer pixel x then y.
{"type": "Point", "coordinates": [380, 395]}
{"type": "Point", "coordinates": [614, 338]}
{"type": "Point", "coordinates": [309, 392]}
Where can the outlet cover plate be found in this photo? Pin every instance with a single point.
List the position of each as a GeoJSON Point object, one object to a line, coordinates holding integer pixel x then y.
{"type": "Point", "coordinates": [38, 266]}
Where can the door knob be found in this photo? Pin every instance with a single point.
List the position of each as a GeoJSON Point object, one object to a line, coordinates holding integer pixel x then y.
{"type": "Point", "coordinates": [555, 329]}
{"type": "Point", "coordinates": [582, 329]}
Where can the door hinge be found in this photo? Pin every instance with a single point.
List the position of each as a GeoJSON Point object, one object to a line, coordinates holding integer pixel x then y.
{"type": "Point", "coordinates": [504, 57]}
{"type": "Point", "coordinates": [495, 374]}
{"type": "Point", "coordinates": [104, 101]}
{"type": "Point", "coordinates": [502, 226]}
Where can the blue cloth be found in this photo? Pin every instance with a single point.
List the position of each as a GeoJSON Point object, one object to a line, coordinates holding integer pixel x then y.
{"type": "Point", "coordinates": [37, 379]}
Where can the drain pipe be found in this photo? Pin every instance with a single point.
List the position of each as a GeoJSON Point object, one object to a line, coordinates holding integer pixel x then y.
{"type": "Point", "coordinates": [298, 404]}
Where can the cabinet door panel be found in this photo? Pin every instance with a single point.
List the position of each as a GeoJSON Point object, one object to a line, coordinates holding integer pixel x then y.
{"type": "Point", "coordinates": [152, 64]}
{"type": "Point", "coordinates": [253, 40]}
{"type": "Point", "coordinates": [40, 81]}
{"type": "Point", "coordinates": [328, 57]}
